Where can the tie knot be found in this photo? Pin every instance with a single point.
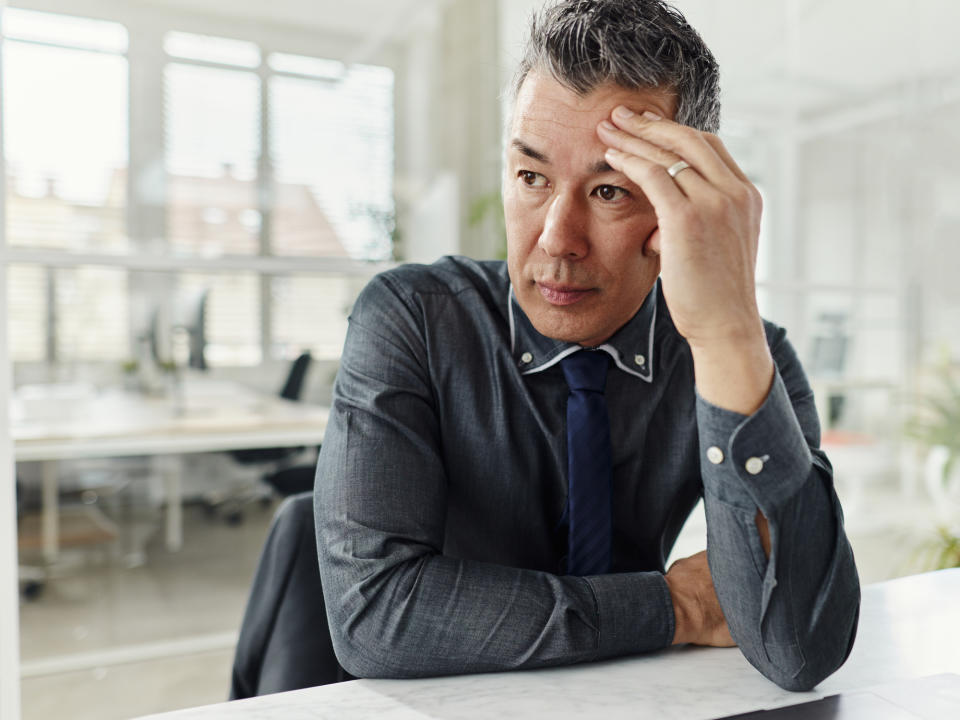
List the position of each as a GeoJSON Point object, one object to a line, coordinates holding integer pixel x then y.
{"type": "Point", "coordinates": [586, 370]}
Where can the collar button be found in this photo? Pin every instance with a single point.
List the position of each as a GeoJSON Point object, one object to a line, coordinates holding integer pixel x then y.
{"type": "Point", "coordinates": [526, 358]}
{"type": "Point", "coordinates": [640, 360]}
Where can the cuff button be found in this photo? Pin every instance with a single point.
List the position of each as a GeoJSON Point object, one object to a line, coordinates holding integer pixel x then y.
{"type": "Point", "coordinates": [754, 465]}
{"type": "Point", "coordinates": [714, 454]}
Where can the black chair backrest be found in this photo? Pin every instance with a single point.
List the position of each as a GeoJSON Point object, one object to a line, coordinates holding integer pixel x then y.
{"type": "Point", "coordinates": [284, 641]}
{"type": "Point", "coordinates": [293, 387]}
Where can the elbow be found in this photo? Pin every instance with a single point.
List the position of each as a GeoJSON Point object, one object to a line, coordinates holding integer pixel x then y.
{"type": "Point", "coordinates": [364, 653]}
{"type": "Point", "coordinates": [355, 661]}
{"type": "Point", "coordinates": [371, 642]}
{"type": "Point", "coordinates": [821, 655]}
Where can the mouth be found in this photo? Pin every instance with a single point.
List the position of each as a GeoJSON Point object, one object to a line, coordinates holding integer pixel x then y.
{"type": "Point", "coordinates": [563, 294]}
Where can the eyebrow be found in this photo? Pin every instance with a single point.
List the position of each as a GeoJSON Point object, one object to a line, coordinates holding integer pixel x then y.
{"type": "Point", "coordinates": [601, 166]}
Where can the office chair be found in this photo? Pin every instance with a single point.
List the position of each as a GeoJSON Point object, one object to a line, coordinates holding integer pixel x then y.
{"type": "Point", "coordinates": [274, 459]}
{"type": "Point", "coordinates": [292, 390]}
{"type": "Point", "coordinates": [284, 641]}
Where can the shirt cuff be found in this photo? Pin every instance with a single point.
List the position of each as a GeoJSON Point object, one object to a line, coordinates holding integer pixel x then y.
{"type": "Point", "coordinates": [755, 461]}
{"type": "Point", "coordinates": [635, 611]}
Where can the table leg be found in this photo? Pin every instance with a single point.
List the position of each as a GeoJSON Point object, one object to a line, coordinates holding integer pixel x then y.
{"type": "Point", "coordinates": [50, 511]}
{"type": "Point", "coordinates": [172, 472]}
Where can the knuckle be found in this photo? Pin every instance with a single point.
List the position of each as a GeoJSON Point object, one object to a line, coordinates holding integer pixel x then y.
{"type": "Point", "coordinates": [720, 205]}
{"type": "Point", "coordinates": [651, 172]}
{"type": "Point", "coordinates": [689, 216]}
{"type": "Point", "coordinates": [710, 138]}
{"type": "Point", "coordinates": [744, 196]}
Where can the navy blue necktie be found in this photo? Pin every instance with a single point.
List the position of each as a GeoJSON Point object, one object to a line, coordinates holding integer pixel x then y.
{"type": "Point", "coordinates": [589, 463]}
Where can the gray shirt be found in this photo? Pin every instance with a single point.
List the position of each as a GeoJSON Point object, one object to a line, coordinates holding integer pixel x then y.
{"type": "Point", "coordinates": [441, 490]}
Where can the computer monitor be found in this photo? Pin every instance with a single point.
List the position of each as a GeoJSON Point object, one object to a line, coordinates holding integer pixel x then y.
{"type": "Point", "coordinates": [194, 320]}
{"type": "Point", "coordinates": [189, 315]}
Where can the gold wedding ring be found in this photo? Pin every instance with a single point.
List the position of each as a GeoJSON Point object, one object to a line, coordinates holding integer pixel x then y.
{"type": "Point", "coordinates": [677, 168]}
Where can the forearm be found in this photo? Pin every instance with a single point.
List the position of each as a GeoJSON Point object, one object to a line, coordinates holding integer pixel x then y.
{"type": "Point", "coordinates": [793, 613]}
{"type": "Point", "coordinates": [734, 373]}
{"type": "Point", "coordinates": [435, 615]}
{"type": "Point", "coordinates": [793, 616]}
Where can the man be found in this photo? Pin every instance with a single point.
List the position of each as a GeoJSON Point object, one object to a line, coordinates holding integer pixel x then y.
{"type": "Point", "coordinates": [481, 507]}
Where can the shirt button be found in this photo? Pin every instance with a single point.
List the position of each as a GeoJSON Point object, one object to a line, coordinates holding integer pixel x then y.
{"type": "Point", "coordinates": [754, 465]}
{"type": "Point", "coordinates": [639, 359]}
{"type": "Point", "coordinates": [526, 358]}
{"type": "Point", "coordinates": [714, 454]}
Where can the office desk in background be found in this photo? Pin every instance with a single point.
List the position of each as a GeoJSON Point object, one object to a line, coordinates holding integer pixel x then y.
{"type": "Point", "coordinates": [909, 628]}
{"type": "Point", "coordinates": [201, 416]}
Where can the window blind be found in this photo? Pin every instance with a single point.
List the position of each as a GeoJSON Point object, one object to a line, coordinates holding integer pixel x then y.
{"type": "Point", "coordinates": [65, 116]}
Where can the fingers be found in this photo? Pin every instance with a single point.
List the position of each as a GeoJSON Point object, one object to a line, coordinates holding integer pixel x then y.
{"type": "Point", "coordinates": [721, 150]}
{"type": "Point", "coordinates": [665, 142]}
{"type": "Point", "coordinates": [626, 142]}
{"type": "Point", "coordinates": [664, 194]}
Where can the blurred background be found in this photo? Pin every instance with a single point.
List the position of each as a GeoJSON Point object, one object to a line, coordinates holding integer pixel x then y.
{"type": "Point", "coordinates": [196, 190]}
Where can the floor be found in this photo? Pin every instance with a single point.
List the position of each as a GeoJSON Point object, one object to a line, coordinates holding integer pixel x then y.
{"type": "Point", "coordinates": [189, 604]}
{"type": "Point", "coordinates": [75, 637]}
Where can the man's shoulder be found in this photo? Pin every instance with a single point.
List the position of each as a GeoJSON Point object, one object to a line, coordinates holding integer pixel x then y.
{"type": "Point", "coordinates": [449, 276]}
{"type": "Point", "coordinates": [451, 287]}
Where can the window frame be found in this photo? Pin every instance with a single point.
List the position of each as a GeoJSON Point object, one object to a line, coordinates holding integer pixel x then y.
{"type": "Point", "coordinates": [147, 60]}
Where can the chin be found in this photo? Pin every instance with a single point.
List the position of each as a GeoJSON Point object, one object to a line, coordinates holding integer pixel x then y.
{"type": "Point", "coordinates": [562, 329]}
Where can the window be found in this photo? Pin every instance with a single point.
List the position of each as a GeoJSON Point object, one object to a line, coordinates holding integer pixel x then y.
{"type": "Point", "coordinates": [66, 147]}
{"type": "Point", "coordinates": [262, 155]}
{"type": "Point", "coordinates": [310, 312]}
{"type": "Point", "coordinates": [318, 184]}
{"type": "Point", "coordinates": [212, 144]}
{"type": "Point", "coordinates": [65, 139]}
{"type": "Point", "coordinates": [232, 326]}
{"type": "Point", "coordinates": [92, 317]}
{"type": "Point", "coordinates": [332, 156]}
{"type": "Point", "coordinates": [27, 312]}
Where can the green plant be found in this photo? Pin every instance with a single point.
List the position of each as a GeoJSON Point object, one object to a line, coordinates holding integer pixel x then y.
{"type": "Point", "coordinates": [936, 422]}
{"type": "Point", "coordinates": [490, 205]}
{"type": "Point", "coordinates": [937, 419]}
{"type": "Point", "coordinates": [941, 552]}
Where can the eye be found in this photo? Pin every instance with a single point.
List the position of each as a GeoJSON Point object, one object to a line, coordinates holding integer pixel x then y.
{"type": "Point", "coordinates": [610, 193]}
{"type": "Point", "coordinates": [532, 179]}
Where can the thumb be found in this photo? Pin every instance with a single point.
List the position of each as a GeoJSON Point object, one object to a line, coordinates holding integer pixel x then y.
{"type": "Point", "coordinates": [651, 247]}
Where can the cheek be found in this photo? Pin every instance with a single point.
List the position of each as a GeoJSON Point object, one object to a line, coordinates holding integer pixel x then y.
{"type": "Point", "coordinates": [516, 237]}
{"type": "Point", "coordinates": [625, 254]}
{"type": "Point", "coordinates": [520, 223]}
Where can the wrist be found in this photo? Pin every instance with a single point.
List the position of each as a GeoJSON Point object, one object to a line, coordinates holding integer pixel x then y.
{"type": "Point", "coordinates": [746, 332]}
{"type": "Point", "coordinates": [682, 619]}
{"type": "Point", "coordinates": [734, 372]}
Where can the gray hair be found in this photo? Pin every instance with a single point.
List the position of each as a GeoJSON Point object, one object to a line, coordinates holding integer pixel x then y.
{"type": "Point", "coordinates": [636, 44]}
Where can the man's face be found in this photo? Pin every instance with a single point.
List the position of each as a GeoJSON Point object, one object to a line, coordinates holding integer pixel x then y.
{"type": "Point", "coordinates": [577, 230]}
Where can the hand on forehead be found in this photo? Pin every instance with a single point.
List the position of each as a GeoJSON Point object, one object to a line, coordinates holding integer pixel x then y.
{"type": "Point", "coordinates": [544, 102]}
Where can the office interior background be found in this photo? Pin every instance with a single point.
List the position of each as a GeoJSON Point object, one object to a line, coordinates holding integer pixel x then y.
{"type": "Point", "coordinates": [196, 190]}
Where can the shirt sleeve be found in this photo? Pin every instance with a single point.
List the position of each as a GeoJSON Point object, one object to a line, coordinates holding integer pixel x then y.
{"type": "Point", "coordinates": [397, 606]}
{"type": "Point", "coordinates": [794, 615]}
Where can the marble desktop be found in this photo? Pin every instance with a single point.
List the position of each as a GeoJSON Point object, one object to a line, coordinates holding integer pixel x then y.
{"type": "Point", "coordinates": [909, 628]}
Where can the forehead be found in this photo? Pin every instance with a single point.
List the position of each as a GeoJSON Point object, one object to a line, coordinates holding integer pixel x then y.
{"type": "Point", "coordinates": [546, 109]}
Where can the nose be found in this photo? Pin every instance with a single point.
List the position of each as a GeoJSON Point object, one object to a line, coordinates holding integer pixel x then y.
{"type": "Point", "coordinates": [564, 229]}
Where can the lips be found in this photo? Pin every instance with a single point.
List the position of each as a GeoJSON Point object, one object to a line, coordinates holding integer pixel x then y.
{"type": "Point", "coordinates": [562, 294]}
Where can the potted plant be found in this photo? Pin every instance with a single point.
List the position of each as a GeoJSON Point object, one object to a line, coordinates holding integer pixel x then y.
{"type": "Point", "coordinates": [936, 425]}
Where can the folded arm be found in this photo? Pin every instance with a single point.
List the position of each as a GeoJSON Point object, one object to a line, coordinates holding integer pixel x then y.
{"type": "Point", "coordinates": [398, 607]}
{"type": "Point", "coordinates": [780, 560]}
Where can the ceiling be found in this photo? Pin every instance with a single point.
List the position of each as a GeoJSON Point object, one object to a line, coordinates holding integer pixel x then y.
{"type": "Point", "coordinates": [808, 55]}
{"type": "Point", "coordinates": [821, 54]}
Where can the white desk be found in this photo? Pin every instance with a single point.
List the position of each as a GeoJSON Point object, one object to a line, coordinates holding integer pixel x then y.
{"type": "Point", "coordinates": [909, 628]}
{"type": "Point", "coordinates": [209, 417]}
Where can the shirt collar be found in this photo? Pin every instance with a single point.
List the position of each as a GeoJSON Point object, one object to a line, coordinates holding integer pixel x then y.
{"type": "Point", "coordinates": [631, 347]}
